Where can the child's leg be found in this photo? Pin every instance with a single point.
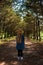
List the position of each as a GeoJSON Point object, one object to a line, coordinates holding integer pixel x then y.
{"type": "Point", "coordinates": [18, 53]}
{"type": "Point", "coordinates": [21, 53]}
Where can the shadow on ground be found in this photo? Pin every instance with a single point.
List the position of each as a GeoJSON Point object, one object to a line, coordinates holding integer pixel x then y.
{"type": "Point", "coordinates": [33, 54]}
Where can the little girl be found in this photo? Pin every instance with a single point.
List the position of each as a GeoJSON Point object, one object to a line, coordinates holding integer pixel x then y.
{"type": "Point", "coordinates": [20, 44]}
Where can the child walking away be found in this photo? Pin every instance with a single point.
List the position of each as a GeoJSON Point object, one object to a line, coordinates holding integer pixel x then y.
{"type": "Point", "coordinates": [20, 44]}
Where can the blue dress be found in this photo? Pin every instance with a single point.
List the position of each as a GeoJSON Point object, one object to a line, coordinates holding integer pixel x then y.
{"type": "Point", "coordinates": [20, 46]}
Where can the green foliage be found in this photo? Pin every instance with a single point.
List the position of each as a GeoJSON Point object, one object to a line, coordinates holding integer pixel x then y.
{"type": "Point", "coordinates": [21, 24]}
{"type": "Point", "coordinates": [8, 19]}
{"type": "Point", "coordinates": [30, 19]}
{"type": "Point", "coordinates": [35, 5]}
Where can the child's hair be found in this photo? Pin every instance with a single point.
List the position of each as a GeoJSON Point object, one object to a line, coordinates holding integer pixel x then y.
{"type": "Point", "coordinates": [19, 35]}
{"type": "Point", "coordinates": [18, 38]}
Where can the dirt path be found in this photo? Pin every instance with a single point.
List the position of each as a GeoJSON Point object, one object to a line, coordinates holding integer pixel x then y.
{"type": "Point", "coordinates": [33, 54]}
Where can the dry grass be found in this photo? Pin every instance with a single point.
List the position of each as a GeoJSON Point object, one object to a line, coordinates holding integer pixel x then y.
{"type": "Point", "coordinates": [7, 39]}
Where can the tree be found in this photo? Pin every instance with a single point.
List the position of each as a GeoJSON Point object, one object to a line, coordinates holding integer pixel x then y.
{"type": "Point", "coordinates": [35, 7]}
{"type": "Point", "coordinates": [8, 18]}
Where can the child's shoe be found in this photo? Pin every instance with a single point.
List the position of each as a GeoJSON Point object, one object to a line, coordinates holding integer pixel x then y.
{"type": "Point", "coordinates": [21, 58]}
{"type": "Point", "coordinates": [18, 58]}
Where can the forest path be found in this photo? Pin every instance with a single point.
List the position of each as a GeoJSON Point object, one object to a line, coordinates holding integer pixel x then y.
{"type": "Point", "coordinates": [33, 54]}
